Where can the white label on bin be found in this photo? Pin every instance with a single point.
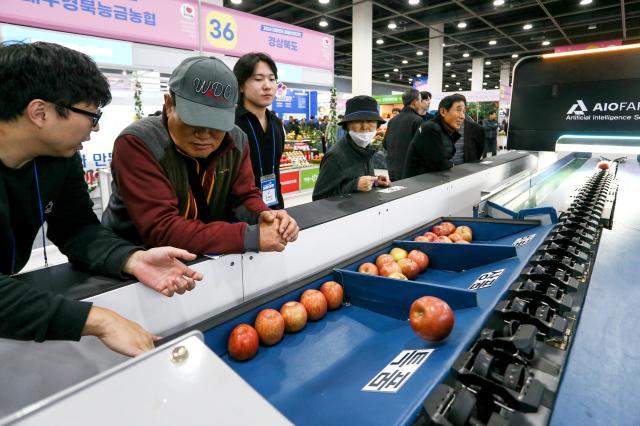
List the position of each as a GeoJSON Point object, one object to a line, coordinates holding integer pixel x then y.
{"type": "Point", "coordinates": [398, 371]}
{"type": "Point", "coordinates": [523, 240]}
{"type": "Point", "coordinates": [486, 280]}
{"type": "Point", "coordinates": [391, 189]}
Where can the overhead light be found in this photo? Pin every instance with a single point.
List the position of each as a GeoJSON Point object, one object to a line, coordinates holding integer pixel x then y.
{"type": "Point", "coordinates": [236, 1]}
{"type": "Point", "coordinates": [446, 85]}
{"type": "Point", "coordinates": [444, 44]}
{"type": "Point", "coordinates": [469, 70]}
{"type": "Point", "coordinates": [323, 1]}
{"type": "Point", "coordinates": [515, 55]}
{"type": "Point", "coordinates": [486, 76]}
{"type": "Point", "coordinates": [410, 79]}
{"type": "Point", "coordinates": [465, 55]}
{"type": "Point", "coordinates": [395, 70]}
{"type": "Point", "coordinates": [498, 2]}
{"type": "Point", "coordinates": [492, 42]}
{"type": "Point", "coordinates": [457, 83]}
{"type": "Point", "coordinates": [592, 27]}
{"type": "Point", "coordinates": [323, 23]}
{"type": "Point", "coordinates": [418, 75]}
{"type": "Point", "coordinates": [495, 87]}
{"type": "Point", "coordinates": [447, 64]}
{"type": "Point", "coordinates": [392, 25]}
{"type": "Point", "coordinates": [419, 53]}
{"type": "Point", "coordinates": [527, 26]}
{"type": "Point", "coordinates": [487, 63]}
{"type": "Point", "coordinates": [585, 2]}
{"type": "Point", "coordinates": [379, 41]}
{"type": "Point", "coordinates": [470, 79]}
{"type": "Point", "coordinates": [484, 84]}
{"type": "Point", "coordinates": [546, 43]}
{"type": "Point", "coordinates": [386, 75]}
{"type": "Point", "coordinates": [414, 2]}
{"type": "Point", "coordinates": [404, 61]}
{"type": "Point", "coordinates": [462, 24]}
{"type": "Point", "coordinates": [453, 76]}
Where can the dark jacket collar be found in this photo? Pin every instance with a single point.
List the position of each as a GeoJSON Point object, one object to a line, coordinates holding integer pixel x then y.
{"type": "Point", "coordinates": [454, 136]}
{"type": "Point", "coordinates": [409, 109]}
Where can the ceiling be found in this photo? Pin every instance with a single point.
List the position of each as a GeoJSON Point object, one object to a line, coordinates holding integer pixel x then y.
{"type": "Point", "coordinates": [561, 22]}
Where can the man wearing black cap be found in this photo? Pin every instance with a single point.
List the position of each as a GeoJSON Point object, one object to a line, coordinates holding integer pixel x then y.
{"type": "Point", "coordinates": [348, 166]}
{"type": "Point", "coordinates": [186, 177]}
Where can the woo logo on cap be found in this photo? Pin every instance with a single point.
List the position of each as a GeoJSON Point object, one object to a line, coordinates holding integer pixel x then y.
{"type": "Point", "coordinates": [213, 89]}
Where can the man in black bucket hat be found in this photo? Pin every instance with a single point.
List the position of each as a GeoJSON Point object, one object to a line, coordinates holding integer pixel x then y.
{"type": "Point", "coordinates": [348, 166]}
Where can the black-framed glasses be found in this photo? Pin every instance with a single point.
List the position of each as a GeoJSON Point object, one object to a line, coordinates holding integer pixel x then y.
{"type": "Point", "coordinates": [95, 116]}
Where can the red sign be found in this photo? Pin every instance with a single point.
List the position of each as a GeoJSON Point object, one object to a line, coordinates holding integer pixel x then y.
{"type": "Point", "coordinates": [587, 46]}
{"type": "Point", "coordinates": [290, 181]}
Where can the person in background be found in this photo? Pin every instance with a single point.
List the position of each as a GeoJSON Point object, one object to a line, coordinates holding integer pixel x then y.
{"type": "Point", "coordinates": [257, 76]}
{"type": "Point", "coordinates": [340, 132]}
{"type": "Point", "coordinates": [186, 177]}
{"type": "Point", "coordinates": [313, 124]}
{"type": "Point", "coordinates": [491, 128]}
{"type": "Point", "coordinates": [400, 131]}
{"type": "Point", "coordinates": [394, 112]}
{"type": "Point", "coordinates": [323, 123]}
{"type": "Point", "coordinates": [348, 166]}
{"type": "Point", "coordinates": [289, 124]}
{"type": "Point", "coordinates": [433, 147]}
{"type": "Point", "coordinates": [470, 145]}
{"type": "Point", "coordinates": [426, 104]}
{"type": "Point", "coordinates": [42, 127]}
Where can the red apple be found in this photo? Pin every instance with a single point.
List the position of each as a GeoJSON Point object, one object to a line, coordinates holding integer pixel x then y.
{"type": "Point", "coordinates": [243, 342]}
{"type": "Point", "coordinates": [455, 237]}
{"type": "Point", "coordinates": [382, 259]}
{"type": "Point", "coordinates": [270, 326]}
{"type": "Point", "coordinates": [443, 239]}
{"type": "Point", "coordinates": [315, 303]}
{"type": "Point", "coordinates": [430, 236]}
{"type": "Point", "coordinates": [420, 258]}
{"type": "Point", "coordinates": [603, 165]}
{"type": "Point", "coordinates": [389, 268]}
{"type": "Point", "coordinates": [410, 269]}
{"type": "Point", "coordinates": [422, 239]}
{"type": "Point", "coordinates": [397, 276]}
{"type": "Point", "coordinates": [398, 253]}
{"type": "Point", "coordinates": [462, 242]}
{"type": "Point", "coordinates": [333, 293]}
{"type": "Point", "coordinates": [441, 230]}
{"type": "Point", "coordinates": [368, 268]}
{"type": "Point", "coordinates": [294, 315]}
{"type": "Point", "coordinates": [431, 318]}
{"type": "Point", "coordinates": [450, 226]}
{"type": "Point", "coordinates": [465, 232]}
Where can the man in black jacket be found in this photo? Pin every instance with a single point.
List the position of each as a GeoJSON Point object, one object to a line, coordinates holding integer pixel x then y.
{"type": "Point", "coordinates": [470, 146]}
{"type": "Point", "coordinates": [400, 131]}
{"type": "Point", "coordinates": [491, 127]}
{"type": "Point", "coordinates": [433, 147]}
{"type": "Point", "coordinates": [348, 166]}
{"type": "Point", "coordinates": [51, 99]}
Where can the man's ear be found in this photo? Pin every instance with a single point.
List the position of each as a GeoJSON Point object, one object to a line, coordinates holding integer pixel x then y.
{"type": "Point", "coordinates": [168, 103]}
{"type": "Point", "coordinates": [37, 112]}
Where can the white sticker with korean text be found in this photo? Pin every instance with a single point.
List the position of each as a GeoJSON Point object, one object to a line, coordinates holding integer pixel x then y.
{"type": "Point", "coordinates": [391, 189]}
{"type": "Point", "coordinates": [398, 371]}
{"type": "Point", "coordinates": [486, 280]}
{"type": "Point", "coordinates": [523, 240]}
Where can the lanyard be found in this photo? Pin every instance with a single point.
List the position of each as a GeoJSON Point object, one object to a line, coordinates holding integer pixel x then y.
{"type": "Point", "coordinates": [273, 139]}
{"type": "Point", "coordinates": [44, 247]}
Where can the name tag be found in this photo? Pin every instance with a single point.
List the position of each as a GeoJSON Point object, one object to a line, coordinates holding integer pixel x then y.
{"type": "Point", "coordinates": [268, 187]}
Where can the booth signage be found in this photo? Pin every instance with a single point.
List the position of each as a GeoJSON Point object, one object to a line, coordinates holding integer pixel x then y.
{"type": "Point", "coordinates": [236, 33]}
{"type": "Point", "coordinates": [308, 178]}
{"type": "Point", "coordinates": [171, 23]}
{"type": "Point", "coordinates": [290, 181]}
{"type": "Point", "coordinates": [388, 99]}
{"type": "Point", "coordinates": [587, 46]}
{"type": "Point", "coordinates": [295, 102]}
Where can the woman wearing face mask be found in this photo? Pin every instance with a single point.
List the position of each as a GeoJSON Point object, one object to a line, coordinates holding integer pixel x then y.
{"type": "Point", "coordinates": [348, 166]}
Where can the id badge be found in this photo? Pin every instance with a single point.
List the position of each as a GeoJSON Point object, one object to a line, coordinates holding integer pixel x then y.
{"type": "Point", "coordinates": [268, 187]}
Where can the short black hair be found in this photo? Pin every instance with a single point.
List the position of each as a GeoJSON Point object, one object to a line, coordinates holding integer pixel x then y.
{"type": "Point", "coordinates": [448, 101]}
{"type": "Point", "coordinates": [396, 109]}
{"type": "Point", "coordinates": [313, 117]}
{"type": "Point", "coordinates": [409, 96]}
{"type": "Point", "coordinates": [49, 72]}
{"type": "Point", "coordinates": [425, 95]}
{"type": "Point", "coordinates": [243, 69]}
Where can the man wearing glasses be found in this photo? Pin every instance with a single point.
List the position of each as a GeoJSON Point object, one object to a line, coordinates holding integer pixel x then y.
{"type": "Point", "coordinates": [49, 108]}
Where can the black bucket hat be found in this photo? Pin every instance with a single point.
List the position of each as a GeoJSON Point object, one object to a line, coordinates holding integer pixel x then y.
{"type": "Point", "coordinates": [362, 108]}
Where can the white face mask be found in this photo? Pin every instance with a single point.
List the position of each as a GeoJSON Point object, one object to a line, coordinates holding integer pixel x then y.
{"type": "Point", "coordinates": [362, 139]}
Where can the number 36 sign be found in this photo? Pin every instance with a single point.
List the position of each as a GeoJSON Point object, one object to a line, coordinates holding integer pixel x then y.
{"type": "Point", "coordinates": [222, 30]}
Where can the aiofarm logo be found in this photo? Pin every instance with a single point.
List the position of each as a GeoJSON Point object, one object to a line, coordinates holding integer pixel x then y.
{"type": "Point", "coordinates": [579, 108]}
